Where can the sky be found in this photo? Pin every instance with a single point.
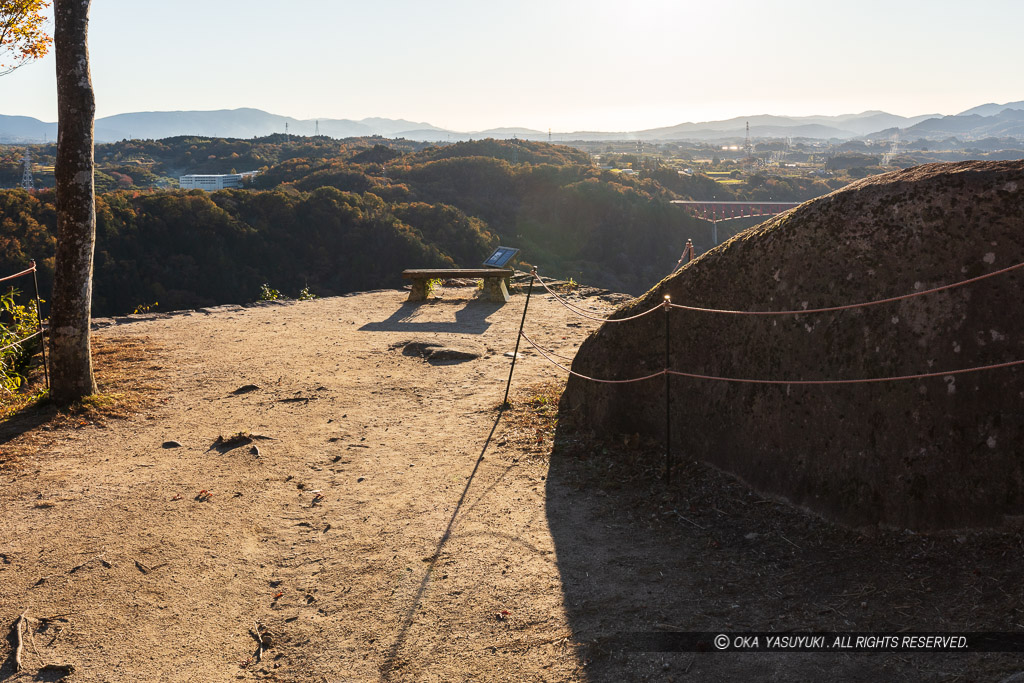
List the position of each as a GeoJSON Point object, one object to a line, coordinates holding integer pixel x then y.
{"type": "Point", "coordinates": [565, 65]}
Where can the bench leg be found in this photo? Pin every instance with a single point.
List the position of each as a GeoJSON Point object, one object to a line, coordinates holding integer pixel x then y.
{"type": "Point", "coordinates": [496, 290]}
{"type": "Point", "coordinates": [418, 291]}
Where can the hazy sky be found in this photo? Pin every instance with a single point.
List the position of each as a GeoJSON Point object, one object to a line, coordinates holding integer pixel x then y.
{"type": "Point", "coordinates": [561, 64]}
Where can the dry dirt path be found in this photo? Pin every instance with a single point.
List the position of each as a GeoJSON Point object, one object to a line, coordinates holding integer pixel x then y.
{"type": "Point", "coordinates": [382, 533]}
{"type": "Point", "coordinates": [395, 526]}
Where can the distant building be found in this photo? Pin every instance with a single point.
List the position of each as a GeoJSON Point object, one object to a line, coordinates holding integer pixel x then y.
{"type": "Point", "coordinates": [214, 182]}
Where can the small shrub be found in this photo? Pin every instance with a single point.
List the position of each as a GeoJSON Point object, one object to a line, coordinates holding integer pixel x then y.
{"type": "Point", "coordinates": [17, 321]}
{"type": "Point", "coordinates": [433, 284]}
{"type": "Point", "coordinates": [306, 295]}
{"type": "Point", "coordinates": [268, 293]}
{"type": "Point", "coordinates": [145, 308]}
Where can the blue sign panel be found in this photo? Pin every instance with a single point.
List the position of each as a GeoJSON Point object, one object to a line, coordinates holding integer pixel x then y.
{"type": "Point", "coordinates": [500, 257]}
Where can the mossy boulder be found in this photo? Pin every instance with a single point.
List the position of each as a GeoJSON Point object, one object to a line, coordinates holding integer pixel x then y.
{"type": "Point", "coordinates": [926, 454]}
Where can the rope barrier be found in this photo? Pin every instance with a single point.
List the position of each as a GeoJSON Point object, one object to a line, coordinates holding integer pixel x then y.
{"type": "Point", "coordinates": [743, 380]}
{"type": "Point", "coordinates": [20, 341]}
{"type": "Point", "coordinates": [667, 306]}
{"type": "Point", "coordinates": [541, 351]}
{"type": "Point", "coordinates": [559, 356]}
{"type": "Point", "coordinates": [16, 275]}
{"type": "Point", "coordinates": [583, 313]}
{"type": "Point", "coordinates": [863, 380]}
{"type": "Point", "coordinates": [829, 309]}
{"type": "Point", "coordinates": [31, 270]}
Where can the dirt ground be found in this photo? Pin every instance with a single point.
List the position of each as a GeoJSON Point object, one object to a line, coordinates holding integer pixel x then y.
{"type": "Point", "coordinates": [383, 520]}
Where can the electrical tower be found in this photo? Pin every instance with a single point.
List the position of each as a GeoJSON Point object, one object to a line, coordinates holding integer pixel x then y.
{"type": "Point", "coordinates": [27, 182]}
{"type": "Point", "coordinates": [748, 149]}
{"type": "Point", "coordinates": [894, 149]}
{"type": "Point", "coordinates": [317, 128]}
{"type": "Point", "coordinates": [286, 128]}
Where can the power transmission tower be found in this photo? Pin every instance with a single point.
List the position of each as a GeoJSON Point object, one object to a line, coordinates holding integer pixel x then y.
{"type": "Point", "coordinates": [894, 148]}
{"type": "Point", "coordinates": [27, 183]}
{"type": "Point", "coordinates": [317, 128]}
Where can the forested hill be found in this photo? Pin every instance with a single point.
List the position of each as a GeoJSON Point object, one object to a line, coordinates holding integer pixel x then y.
{"type": "Point", "coordinates": [340, 216]}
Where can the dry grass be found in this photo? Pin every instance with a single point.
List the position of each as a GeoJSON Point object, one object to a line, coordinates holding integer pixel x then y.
{"type": "Point", "coordinates": [531, 420]}
{"type": "Point", "coordinates": [124, 369]}
{"type": "Point", "coordinates": [535, 428]}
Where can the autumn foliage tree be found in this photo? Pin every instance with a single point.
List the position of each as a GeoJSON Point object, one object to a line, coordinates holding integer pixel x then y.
{"type": "Point", "coordinates": [22, 35]}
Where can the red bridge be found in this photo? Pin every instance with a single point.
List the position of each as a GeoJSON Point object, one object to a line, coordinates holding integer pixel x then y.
{"type": "Point", "coordinates": [717, 211]}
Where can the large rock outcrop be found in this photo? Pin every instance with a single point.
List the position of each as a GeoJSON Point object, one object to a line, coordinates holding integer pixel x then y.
{"type": "Point", "coordinates": [944, 452]}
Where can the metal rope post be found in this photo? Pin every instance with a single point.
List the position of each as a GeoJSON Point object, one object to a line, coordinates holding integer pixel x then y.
{"type": "Point", "coordinates": [39, 323]}
{"type": "Point", "coordinates": [668, 388]}
{"type": "Point", "coordinates": [515, 354]}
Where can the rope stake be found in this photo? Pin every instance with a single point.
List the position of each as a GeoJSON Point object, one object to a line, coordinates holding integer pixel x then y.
{"type": "Point", "coordinates": [39, 323]}
{"type": "Point", "coordinates": [668, 393]}
{"type": "Point", "coordinates": [515, 354]}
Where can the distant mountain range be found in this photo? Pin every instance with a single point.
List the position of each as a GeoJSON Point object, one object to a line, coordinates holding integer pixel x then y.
{"type": "Point", "coordinates": [987, 120]}
{"type": "Point", "coordinates": [1006, 122]}
{"type": "Point", "coordinates": [226, 123]}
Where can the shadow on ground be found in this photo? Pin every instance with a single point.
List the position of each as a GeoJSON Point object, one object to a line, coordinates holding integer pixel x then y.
{"type": "Point", "coordinates": [25, 421]}
{"type": "Point", "coordinates": [708, 555]}
{"type": "Point", "coordinates": [387, 669]}
{"type": "Point", "coordinates": [471, 318]}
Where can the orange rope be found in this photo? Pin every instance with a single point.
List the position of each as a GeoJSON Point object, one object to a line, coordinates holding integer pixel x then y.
{"type": "Point", "coordinates": [24, 272]}
{"type": "Point", "coordinates": [591, 379]}
{"type": "Point", "coordinates": [581, 312]}
{"type": "Point", "coordinates": [850, 306]}
{"type": "Point", "coordinates": [865, 380]}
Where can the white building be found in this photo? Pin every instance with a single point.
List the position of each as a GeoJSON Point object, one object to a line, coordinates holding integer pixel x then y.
{"type": "Point", "coordinates": [214, 182]}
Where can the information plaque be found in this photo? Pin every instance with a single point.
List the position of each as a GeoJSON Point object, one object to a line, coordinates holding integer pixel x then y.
{"type": "Point", "coordinates": [500, 257]}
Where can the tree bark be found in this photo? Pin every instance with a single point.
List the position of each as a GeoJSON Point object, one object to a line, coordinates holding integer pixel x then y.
{"type": "Point", "coordinates": [71, 375]}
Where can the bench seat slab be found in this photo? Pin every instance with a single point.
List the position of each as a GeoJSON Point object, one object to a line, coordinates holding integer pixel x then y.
{"type": "Point", "coordinates": [494, 281]}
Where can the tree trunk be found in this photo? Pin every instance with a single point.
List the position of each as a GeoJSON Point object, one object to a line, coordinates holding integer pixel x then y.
{"type": "Point", "coordinates": [70, 358]}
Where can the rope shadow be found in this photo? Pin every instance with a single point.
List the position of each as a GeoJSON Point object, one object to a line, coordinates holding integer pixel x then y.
{"type": "Point", "coordinates": [387, 668]}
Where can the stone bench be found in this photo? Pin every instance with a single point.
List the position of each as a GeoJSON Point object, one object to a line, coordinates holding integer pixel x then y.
{"type": "Point", "coordinates": [494, 280]}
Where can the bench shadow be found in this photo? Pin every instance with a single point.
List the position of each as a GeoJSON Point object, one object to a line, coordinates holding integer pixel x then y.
{"type": "Point", "coordinates": [472, 318]}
